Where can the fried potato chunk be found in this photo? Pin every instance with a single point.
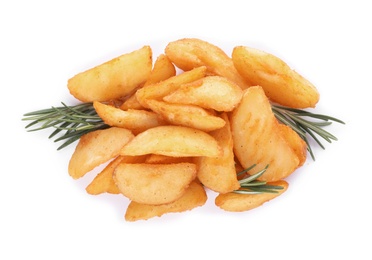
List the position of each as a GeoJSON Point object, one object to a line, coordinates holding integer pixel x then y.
{"type": "Point", "coordinates": [242, 202]}
{"type": "Point", "coordinates": [135, 120]}
{"type": "Point", "coordinates": [163, 88]}
{"type": "Point", "coordinates": [154, 184]}
{"type": "Point", "coordinates": [190, 53]}
{"type": "Point", "coordinates": [280, 83]}
{"type": "Point", "coordinates": [131, 102]}
{"type": "Point", "coordinates": [297, 144]}
{"type": "Point", "coordinates": [194, 196]}
{"type": "Point", "coordinates": [97, 147]}
{"type": "Point", "coordinates": [104, 181]}
{"type": "Point", "coordinates": [178, 141]}
{"type": "Point", "coordinates": [218, 173]}
{"type": "Point", "coordinates": [258, 139]}
{"type": "Point", "coordinates": [113, 79]}
{"type": "Point", "coordinates": [186, 115]}
{"type": "Point", "coordinates": [163, 69]}
{"type": "Point", "coordinates": [212, 92]}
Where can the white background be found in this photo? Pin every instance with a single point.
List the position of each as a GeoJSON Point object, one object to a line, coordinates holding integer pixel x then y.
{"type": "Point", "coordinates": [325, 214]}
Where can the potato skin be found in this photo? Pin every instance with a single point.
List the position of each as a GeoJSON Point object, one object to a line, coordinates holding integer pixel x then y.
{"type": "Point", "coordinates": [243, 202]}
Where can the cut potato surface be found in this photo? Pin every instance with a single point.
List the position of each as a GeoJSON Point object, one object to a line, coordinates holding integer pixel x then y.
{"type": "Point", "coordinates": [165, 87]}
{"type": "Point", "coordinates": [133, 119]}
{"type": "Point", "coordinates": [218, 173]}
{"type": "Point", "coordinates": [178, 141]}
{"type": "Point", "coordinates": [162, 70]}
{"type": "Point", "coordinates": [96, 148]}
{"type": "Point", "coordinates": [297, 144]}
{"type": "Point", "coordinates": [186, 115]}
{"type": "Point", "coordinates": [113, 79]}
{"type": "Point", "coordinates": [194, 196]}
{"type": "Point", "coordinates": [154, 184]}
{"type": "Point", "coordinates": [280, 83]}
{"type": "Point", "coordinates": [258, 139]}
{"type": "Point", "coordinates": [213, 92]}
{"type": "Point", "coordinates": [104, 181]}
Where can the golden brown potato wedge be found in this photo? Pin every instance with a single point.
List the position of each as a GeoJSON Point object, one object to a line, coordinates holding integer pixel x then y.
{"type": "Point", "coordinates": [186, 115]}
{"type": "Point", "coordinates": [190, 53]}
{"type": "Point", "coordinates": [131, 102]}
{"type": "Point", "coordinates": [135, 120]}
{"type": "Point", "coordinates": [242, 202]}
{"type": "Point", "coordinates": [212, 92]}
{"type": "Point", "coordinates": [258, 139]}
{"type": "Point", "coordinates": [194, 196]}
{"type": "Point", "coordinates": [178, 141]}
{"type": "Point", "coordinates": [154, 184]}
{"type": "Point", "coordinates": [280, 83]}
{"type": "Point", "coordinates": [104, 181]}
{"type": "Point", "coordinates": [162, 70]}
{"type": "Point", "coordinates": [297, 144]}
{"type": "Point", "coordinates": [96, 148]}
{"type": "Point", "coordinates": [218, 173]}
{"type": "Point", "coordinates": [113, 79]}
{"type": "Point", "coordinates": [163, 88]}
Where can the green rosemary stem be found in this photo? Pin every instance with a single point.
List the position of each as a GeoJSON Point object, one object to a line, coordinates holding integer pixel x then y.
{"type": "Point", "coordinates": [74, 121]}
{"type": "Point", "coordinates": [306, 124]}
{"type": "Point", "coordinates": [250, 184]}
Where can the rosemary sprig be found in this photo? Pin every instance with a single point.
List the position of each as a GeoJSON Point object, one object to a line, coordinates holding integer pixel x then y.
{"type": "Point", "coordinates": [80, 119]}
{"type": "Point", "coordinates": [250, 184]}
{"type": "Point", "coordinates": [74, 121]}
{"type": "Point", "coordinates": [296, 119]}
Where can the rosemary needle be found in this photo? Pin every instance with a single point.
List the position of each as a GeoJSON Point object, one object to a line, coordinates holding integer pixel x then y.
{"type": "Point", "coordinates": [250, 184]}
{"type": "Point", "coordinates": [74, 121]}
